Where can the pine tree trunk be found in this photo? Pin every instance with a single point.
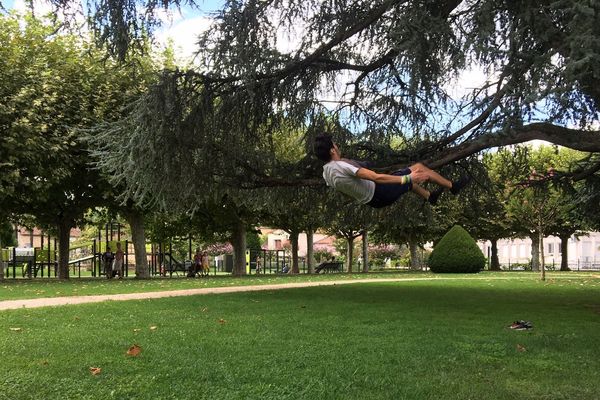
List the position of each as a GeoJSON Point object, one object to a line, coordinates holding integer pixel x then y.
{"type": "Point", "coordinates": [310, 252]}
{"type": "Point", "coordinates": [239, 249]}
{"type": "Point", "coordinates": [294, 239]}
{"type": "Point", "coordinates": [365, 251]}
{"type": "Point", "coordinates": [138, 237]}
{"type": "Point", "coordinates": [535, 251]}
{"type": "Point", "coordinates": [349, 253]}
{"type": "Point", "coordinates": [495, 261]}
{"type": "Point", "coordinates": [64, 234]}
{"type": "Point", "coordinates": [564, 248]}
{"type": "Point", "coordinates": [415, 262]}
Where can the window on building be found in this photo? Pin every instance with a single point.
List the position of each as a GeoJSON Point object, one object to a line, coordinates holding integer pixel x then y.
{"type": "Point", "coordinates": [522, 251]}
{"type": "Point", "coordinates": [550, 248]}
{"type": "Point", "coordinates": [277, 244]}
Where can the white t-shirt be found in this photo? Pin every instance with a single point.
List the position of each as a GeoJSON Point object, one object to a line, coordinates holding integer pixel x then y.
{"type": "Point", "coordinates": [342, 177]}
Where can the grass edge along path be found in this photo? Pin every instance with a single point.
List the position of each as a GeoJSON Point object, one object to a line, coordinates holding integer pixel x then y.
{"type": "Point", "coordinates": [71, 300]}
{"type": "Point", "coordinates": [36, 302]}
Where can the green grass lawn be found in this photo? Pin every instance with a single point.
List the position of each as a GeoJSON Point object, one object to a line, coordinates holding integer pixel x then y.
{"type": "Point", "coordinates": [37, 288]}
{"type": "Point", "coordinates": [440, 339]}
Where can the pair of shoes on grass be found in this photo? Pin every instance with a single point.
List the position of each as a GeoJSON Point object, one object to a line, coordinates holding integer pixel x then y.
{"type": "Point", "coordinates": [521, 325]}
{"type": "Point", "coordinates": [457, 186]}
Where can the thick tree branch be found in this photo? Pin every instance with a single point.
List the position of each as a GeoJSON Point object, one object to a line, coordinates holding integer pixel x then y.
{"type": "Point", "coordinates": [588, 141]}
{"type": "Point", "coordinates": [575, 139]}
{"type": "Point", "coordinates": [584, 173]}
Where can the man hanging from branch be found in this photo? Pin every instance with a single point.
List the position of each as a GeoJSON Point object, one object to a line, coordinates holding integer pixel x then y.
{"type": "Point", "coordinates": [374, 189]}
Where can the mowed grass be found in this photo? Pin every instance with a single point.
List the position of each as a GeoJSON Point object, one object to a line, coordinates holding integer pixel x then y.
{"type": "Point", "coordinates": [440, 339]}
{"type": "Point", "coordinates": [40, 288]}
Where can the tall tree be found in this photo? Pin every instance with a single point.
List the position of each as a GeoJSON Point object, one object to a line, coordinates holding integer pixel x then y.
{"type": "Point", "coordinates": [380, 69]}
{"type": "Point", "coordinates": [56, 85]}
{"type": "Point", "coordinates": [540, 205]}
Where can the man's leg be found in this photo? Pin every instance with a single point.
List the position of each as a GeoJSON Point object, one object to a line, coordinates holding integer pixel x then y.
{"type": "Point", "coordinates": [424, 193]}
{"type": "Point", "coordinates": [431, 175]}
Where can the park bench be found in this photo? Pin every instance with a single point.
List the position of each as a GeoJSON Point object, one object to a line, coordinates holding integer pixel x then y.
{"type": "Point", "coordinates": [178, 267]}
{"type": "Point", "coordinates": [330, 266]}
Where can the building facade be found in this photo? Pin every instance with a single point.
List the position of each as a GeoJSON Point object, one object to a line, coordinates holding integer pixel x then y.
{"type": "Point", "coordinates": [583, 252]}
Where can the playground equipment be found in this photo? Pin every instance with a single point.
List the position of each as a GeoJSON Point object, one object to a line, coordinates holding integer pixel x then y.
{"type": "Point", "coordinates": [162, 261]}
{"type": "Point", "coordinates": [30, 262]}
{"type": "Point", "coordinates": [272, 261]}
{"type": "Point", "coordinates": [99, 246]}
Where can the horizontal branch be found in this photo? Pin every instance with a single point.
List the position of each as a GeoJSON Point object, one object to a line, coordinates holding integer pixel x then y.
{"type": "Point", "coordinates": [588, 141]}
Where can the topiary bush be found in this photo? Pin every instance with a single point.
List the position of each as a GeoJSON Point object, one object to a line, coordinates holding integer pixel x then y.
{"type": "Point", "coordinates": [456, 252]}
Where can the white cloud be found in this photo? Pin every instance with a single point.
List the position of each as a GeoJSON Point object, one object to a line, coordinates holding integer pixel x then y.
{"type": "Point", "coordinates": [184, 34]}
{"type": "Point", "coordinates": [466, 81]}
{"type": "Point", "coordinates": [40, 7]}
{"type": "Point", "coordinates": [72, 14]}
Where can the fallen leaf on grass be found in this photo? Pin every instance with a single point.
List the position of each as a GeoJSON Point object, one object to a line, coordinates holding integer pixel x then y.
{"type": "Point", "coordinates": [137, 330]}
{"type": "Point", "coordinates": [44, 362]}
{"type": "Point", "coordinates": [95, 371]}
{"type": "Point", "coordinates": [521, 348]}
{"type": "Point", "coordinates": [222, 321]}
{"type": "Point", "coordinates": [204, 309]}
{"type": "Point", "coordinates": [16, 329]}
{"type": "Point", "coordinates": [153, 328]}
{"type": "Point", "coordinates": [134, 350]}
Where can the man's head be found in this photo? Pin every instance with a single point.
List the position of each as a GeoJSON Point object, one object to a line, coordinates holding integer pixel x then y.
{"type": "Point", "coordinates": [323, 147]}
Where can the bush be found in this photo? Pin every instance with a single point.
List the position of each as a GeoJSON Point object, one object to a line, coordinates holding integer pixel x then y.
{"type": "Point", "coordinates": [379, 254]}
{"type": "Point", "coordinates": [322, 255]}
{"type": "Point", "coordinates": [456, 252]}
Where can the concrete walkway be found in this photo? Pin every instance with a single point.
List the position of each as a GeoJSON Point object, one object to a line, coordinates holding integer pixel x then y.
{"type": "Point", "coordinates": [68, 300]}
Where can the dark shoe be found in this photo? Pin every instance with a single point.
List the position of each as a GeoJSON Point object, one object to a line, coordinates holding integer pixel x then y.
{"type": "Point", "coordinates": [433, 196]}
{"type": "Point", "coordinates": [458, 185]}
{"type": "Point", "coordinates": [521, 325]}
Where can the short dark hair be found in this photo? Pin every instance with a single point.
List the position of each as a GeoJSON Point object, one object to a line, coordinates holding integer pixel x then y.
{"type": "Point", "coordinates": [323, 143]}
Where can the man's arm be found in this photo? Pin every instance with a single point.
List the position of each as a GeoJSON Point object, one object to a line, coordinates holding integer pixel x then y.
{"type": "Point", "coordinates": [364, 173]}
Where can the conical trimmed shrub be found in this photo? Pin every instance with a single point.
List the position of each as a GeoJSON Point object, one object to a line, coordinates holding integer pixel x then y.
{"type": "Point", "coordinates": [456, 252]}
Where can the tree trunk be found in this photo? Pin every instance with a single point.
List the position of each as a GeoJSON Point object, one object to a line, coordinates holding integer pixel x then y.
{"type": "Point", "coordinates": [495, 261]}
{"type": "Point", "coordinates": [294, 239]}
{"type": "Point", "coordinates": [564, 248]}
{"type": "Point", "coordinates": [138, 237]}
{"type": "Point", "coordinates": [415, 261]}
{"type": "Point", "coordinates": [310, 253]}
{"type": "Point", "coordinates": [2, 262]}
{"type": "Point", "coordinates": [239, 249]}
{"type": "Point", "coordinates": [349, 253]}
{"type": "Point", "coordinates": [365, 251]}
{"type": "Point", "coordinates": [543, 262]}
{"type": "Point", "coordinates": [64, 234]}
{"type": "Point", "coordinates": [535, 251]}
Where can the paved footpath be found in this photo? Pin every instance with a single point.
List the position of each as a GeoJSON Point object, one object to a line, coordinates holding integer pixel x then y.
{"type": "Point", "coordinates": [68, 300]}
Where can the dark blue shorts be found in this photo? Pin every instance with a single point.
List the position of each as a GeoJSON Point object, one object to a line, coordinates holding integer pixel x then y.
{"type": "Point", "coordinates": [386, 194]}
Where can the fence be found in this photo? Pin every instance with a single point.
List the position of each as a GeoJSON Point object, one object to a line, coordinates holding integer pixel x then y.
{"type": "Point", "coordinates": [574, 265]}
